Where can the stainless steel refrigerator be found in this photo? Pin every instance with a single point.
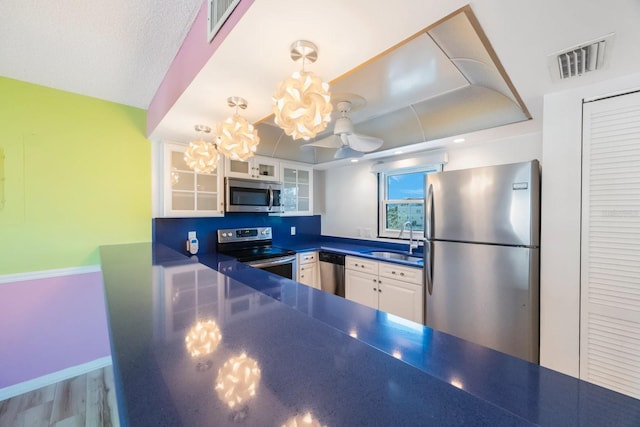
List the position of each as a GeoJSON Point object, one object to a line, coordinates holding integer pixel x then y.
{"type": "Point", "coordinates": [481, 266]}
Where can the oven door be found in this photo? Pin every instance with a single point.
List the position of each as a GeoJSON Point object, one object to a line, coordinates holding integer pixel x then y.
{"type": "Point", "coordinates": [283, 266]}
{"type": "Point", "coordinates": [245, 195]}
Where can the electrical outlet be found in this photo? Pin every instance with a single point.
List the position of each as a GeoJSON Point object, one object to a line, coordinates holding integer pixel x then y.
{"type": "Point", "coordinates": [293, 231]}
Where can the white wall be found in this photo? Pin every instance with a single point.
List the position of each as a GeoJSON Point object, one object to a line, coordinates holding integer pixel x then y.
{"type": "Point", "coordinates": [560, 226]}
{"type": "Point", "coordinates": [351, 192]}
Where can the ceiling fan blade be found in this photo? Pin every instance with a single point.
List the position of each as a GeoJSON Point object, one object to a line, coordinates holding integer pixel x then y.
{"type": "Point", "coordinates": [331, 141]}
{"type": "Point", "coordinates": [364, 143]}
{"type": "Point", "coordinates": [346, 151]}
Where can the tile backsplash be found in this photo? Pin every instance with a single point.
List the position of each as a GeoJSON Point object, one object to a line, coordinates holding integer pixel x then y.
{"type": "Point", "coordinates": [172, 232]}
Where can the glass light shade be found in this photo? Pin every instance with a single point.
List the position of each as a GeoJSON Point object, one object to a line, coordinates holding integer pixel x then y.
{"type": "Point", "coordinates": [203, 338]}
{"type": "Point", "coordinates": [305, 420]}
{"type": "Point", "coordinates": [201, 156]}
{"type": "Point", "coordinates": [238, 380]}
{"type": "Point", "coordinates": [302, 105]}
{"type": "Point", "coordinates": [237, 138]}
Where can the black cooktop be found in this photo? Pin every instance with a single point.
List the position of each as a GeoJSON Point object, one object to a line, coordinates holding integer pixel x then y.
{"type": "Point", "coordinates": [256, 253]}
{"type": "Point", "coordinates": [249, 244]}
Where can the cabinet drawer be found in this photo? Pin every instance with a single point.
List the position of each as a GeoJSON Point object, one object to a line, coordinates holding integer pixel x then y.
{"type": "Point", "coordinates": [361, 264]}
{"type": "Point", "coordinates": [400, 272]}
{"type": "Point", "coordinates": [307, 257]}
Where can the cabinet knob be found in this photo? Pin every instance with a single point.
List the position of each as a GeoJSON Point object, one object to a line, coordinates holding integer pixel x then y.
{"type": "Point", "coordinates": [356, 264]}
{"type": "Point", "coordinates": [393, 272]}
{"type": "Point", "coordinates": [374, 289]}
{"type": "Point", "coordinates": [362, 266]}
{"type": "Point", "coordinates": [379, 290]}
{"type": "Point", "coordinates": [374, 280]}
{"type": "Point", "coordinates": [402, 274]}
{"type": "Point", "coordinates": [302, 275]}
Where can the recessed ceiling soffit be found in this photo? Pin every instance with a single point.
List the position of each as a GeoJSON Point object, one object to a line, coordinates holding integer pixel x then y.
{"type": "Point", "coordinates": [443, 81]}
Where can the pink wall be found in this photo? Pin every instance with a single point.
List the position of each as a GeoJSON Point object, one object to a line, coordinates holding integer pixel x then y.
{"type": "Point", "coordinates": [47, 325]}
{"type": "Point", "coordinates": [191, 57]}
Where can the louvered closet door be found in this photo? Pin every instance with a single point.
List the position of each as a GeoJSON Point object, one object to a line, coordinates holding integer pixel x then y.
{"type": "Point", "coordinates": [610, 282]}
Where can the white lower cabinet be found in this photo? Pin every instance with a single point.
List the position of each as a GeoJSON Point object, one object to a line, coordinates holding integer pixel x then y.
{"type": "Point", "coordinates": [308, 269]}
{"type": "Point", "coordinates": [396, 289]}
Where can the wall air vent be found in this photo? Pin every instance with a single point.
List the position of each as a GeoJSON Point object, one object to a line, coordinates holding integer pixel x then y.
{"type": "Point", "coordinates": [219, 11]}
{"type": "Point", "coordinates": [581, 59]}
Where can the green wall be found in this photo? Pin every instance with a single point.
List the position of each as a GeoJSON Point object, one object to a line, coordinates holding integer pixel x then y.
{"type": "Point", "coordinates": [75, 175]}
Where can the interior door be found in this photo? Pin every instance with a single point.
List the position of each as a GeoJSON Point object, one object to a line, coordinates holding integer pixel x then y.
{"type": "Point", "coordinates": [610, 270]}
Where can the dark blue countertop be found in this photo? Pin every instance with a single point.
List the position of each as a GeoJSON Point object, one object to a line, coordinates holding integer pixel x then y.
{"type": "Point", "coordinates": [341, 362]}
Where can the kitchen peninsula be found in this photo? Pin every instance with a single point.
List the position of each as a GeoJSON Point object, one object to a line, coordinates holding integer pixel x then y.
{"type": "Point", "coordinates": [281, 350]}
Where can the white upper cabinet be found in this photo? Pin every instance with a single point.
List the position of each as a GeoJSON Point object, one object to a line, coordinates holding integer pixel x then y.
{"type": "Point", "coordinates": [297, 194]}
{"type": "Point", "coordinates": [187, 193]}
{"type": "Point", "coordinates": [257, 167]}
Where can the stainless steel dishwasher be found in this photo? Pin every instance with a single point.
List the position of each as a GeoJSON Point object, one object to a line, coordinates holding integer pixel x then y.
{"type": "Point", "coordinates": [332, 273]}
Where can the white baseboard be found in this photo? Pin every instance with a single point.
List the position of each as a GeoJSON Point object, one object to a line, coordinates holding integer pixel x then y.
{"type": "Point", "coordinates": [45, 274]}
{"type": "Point", "coordinates": [65, 374]}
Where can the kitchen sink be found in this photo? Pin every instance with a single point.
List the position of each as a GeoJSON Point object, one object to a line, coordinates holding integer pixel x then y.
{"type": "Point", "coordinates": [396, 255]}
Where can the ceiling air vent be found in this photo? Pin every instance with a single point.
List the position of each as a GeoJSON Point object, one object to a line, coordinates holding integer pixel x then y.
{"type": "Point", "coordinates": [219, 11]}
{"type": "Point", "coordinates": [581, 59]}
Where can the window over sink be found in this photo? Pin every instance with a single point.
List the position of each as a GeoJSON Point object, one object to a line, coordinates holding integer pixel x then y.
{"type": "Point", "coordinates": [401, 195]}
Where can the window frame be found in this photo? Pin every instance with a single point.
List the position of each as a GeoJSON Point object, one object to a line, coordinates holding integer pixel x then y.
{"type": "Point", "coordinates": [384, 201]}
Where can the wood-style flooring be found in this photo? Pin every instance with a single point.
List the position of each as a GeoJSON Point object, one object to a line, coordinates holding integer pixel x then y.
{"type": "Point", "coordinates": [86, 400]}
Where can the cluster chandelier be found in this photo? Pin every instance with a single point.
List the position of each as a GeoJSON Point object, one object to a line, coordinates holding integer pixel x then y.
{"type": "Point", "coordinates": [237, 138]}
{"type": "Point", "coordinates": [301, 106]}
{"type": "Point", "coordinates": [201, 156]}
{"type": "Point", "coordinates": [302, 102]}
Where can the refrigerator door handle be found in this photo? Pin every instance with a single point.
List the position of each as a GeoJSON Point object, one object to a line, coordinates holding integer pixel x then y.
{"type": "Point", "coordinates": [429, 213]}
{"type": "Point", "coordinates": [428, 266]}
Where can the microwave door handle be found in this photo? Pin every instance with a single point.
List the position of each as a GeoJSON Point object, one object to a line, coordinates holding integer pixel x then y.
{"type": "Point", "coordinates": [270, 198]}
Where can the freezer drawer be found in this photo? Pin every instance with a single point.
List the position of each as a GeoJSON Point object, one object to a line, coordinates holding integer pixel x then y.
{"type": "Point", "coordinates": [486, 294]}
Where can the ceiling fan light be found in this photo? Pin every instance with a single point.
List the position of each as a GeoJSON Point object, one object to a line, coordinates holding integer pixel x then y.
{"type": "Point", "coordinates": [345, 152]}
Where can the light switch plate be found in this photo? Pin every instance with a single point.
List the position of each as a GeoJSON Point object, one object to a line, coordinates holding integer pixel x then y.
{"type": "Point", "coordinates": [293, 231]}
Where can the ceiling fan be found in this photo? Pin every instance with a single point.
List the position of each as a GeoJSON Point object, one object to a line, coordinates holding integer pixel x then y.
{"type": "Point", "coordinates": [344, 138]}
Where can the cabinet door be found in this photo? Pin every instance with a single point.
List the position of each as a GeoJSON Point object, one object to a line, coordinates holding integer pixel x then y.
{"type": "Point", "coordinates": [297, 183]}
{"type": "Point", "coordinates": [256, 167]}
{"type": "Point", "coordinates": [362, 288]}
{"type": "Point", "coordinates": [187, 193]}
{"type": "Point", "coordinates": [401, 298]}
{"type": "Point", "coordinates": [307, 275]}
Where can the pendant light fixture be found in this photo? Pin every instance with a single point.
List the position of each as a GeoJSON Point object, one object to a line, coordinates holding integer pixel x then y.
{"type": "Point", "coordinates": [237, 138]}
{"type": "Point", "coordinates": [201, 156]}
{"type": "Point", "coordinates": [302, 102]}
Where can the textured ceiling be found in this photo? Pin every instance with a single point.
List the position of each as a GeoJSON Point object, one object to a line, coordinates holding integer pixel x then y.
{"type": "Point", "coordinates": [117, 50]}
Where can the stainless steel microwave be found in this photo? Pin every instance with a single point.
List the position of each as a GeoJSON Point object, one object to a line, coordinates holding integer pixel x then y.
{"type": "Point", "coordinates": [249, 195]}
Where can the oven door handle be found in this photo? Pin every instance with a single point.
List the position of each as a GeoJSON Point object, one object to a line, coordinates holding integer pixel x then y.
{"type": "Point", "coordinates": [271, 262]}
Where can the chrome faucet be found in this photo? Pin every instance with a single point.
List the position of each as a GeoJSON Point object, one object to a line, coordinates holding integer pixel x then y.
{"type": "Point", "coordinates": [412, 245]}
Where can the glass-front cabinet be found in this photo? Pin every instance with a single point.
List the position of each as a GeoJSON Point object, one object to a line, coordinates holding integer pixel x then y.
{"type": "Point", "coordinates": [187, 193]}
{"type": "Point", "coordinates": [297, 192]}
{"type": "Point", "coordinates": [257, 167]}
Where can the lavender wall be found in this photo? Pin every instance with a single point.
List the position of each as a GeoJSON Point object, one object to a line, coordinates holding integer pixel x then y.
{"type": "Point", "coordinates": [172, 232]}
{"type": "Point", "coordinates": [192, 56]}
{"type": "Point", "coordinates": [47, 325]}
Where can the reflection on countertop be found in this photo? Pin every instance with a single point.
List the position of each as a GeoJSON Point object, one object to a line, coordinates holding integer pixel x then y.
{"type": "Point", "coordinates": [270, 350]}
